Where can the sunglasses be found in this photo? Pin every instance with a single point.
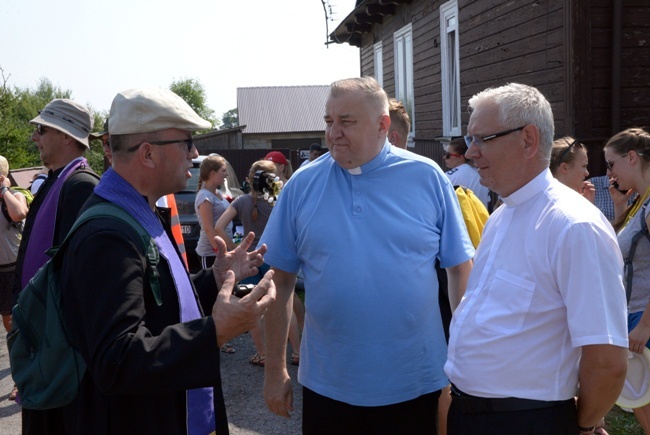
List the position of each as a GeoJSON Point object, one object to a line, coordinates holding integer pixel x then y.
{"type": "Point", "coordinates": [447, 155]}
{"type": "Point", "coordinates": [40, 129]}
{"type": "Point", "coordinates": [610, 163]}
{"type": "Point", "coordinates": [188, 142]}
{"type": "Point", "coordinates": [479, 141]}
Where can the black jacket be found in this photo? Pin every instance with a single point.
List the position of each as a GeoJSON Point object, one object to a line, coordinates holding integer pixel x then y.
{"type": "Point", "coordinates": [141, 359]}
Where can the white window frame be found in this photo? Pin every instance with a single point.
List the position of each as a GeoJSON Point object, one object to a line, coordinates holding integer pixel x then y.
{"type": "Point", "coordinates": [379, 63]}
{"type": "Point", "coordinates": [403, 63]}
{"type": "Point", "coordinates": [450, 69]}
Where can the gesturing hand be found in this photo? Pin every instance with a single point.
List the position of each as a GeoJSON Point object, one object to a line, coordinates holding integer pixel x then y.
{"type": "Point", "coordinates": [233, 316]}
{"type": "Point", "coordinates": [241, 262]}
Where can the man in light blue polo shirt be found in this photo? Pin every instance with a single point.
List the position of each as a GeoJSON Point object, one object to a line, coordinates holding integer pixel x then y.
{"type": "Point", "coordinates": [366, 224]}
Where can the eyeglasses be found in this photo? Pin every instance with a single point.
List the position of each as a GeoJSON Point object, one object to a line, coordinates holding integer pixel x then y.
{"type": "Point", "coordinates": [480, 140]}
{"type": "Point", "coordinates": [188, 142]}
{"type": "Point", "coordinates": [40, 129]}
{"type": "Point", "coordinates": [610, 164]}
{"type": "Point", "coordinates": [566, 151]}
{"type": "Point", "coordinates": [447, 155]}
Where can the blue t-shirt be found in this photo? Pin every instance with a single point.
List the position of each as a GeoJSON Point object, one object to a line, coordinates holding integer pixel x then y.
{"type": "Point", "coordinates": [367, 240]}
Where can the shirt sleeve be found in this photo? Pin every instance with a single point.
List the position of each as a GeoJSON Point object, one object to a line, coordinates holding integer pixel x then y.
{"type": "Point", "coordinates": [594, 296]}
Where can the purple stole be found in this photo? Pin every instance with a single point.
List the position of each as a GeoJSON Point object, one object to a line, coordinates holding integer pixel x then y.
{"type": "Point", "coordinates": [42, 234]}
{"type": "Point", "coordinates": [114, 188]}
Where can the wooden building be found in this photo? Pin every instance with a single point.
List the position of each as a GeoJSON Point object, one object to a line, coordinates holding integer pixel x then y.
{"type": "Point", "coordinates": [590, 58]}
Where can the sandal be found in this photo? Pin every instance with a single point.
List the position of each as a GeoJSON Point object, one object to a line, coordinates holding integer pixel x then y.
{"type": "Point", "coordinates": [227, 348]}
{"type": "Point", "coordinates": [14, 393]}
{"type": "Point", "coordinates": [258, 360]}
{"type": "Point", "coordinates": [295, 358]}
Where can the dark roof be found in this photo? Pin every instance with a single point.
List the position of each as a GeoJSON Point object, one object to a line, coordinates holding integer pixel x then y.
{"type": "Point", "coordinates": [281, 109]}
{"type": "Point", "coordinates": [365, 14]}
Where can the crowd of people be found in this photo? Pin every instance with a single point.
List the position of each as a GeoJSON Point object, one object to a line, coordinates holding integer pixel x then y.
{"type": "Point", "coordinates": [415, 300]}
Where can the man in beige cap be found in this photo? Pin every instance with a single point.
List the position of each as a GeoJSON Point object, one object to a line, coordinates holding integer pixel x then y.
{"type": "Point", "coordinates": [152, 368]}
{"type": "Point", "coordinates": [61, 135]}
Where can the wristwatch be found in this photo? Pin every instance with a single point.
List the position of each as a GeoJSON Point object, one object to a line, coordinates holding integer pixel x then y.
{"type": "Point", "coordinates": [590, 429]}
{"type": "Point", "coordinates": [3, 189]}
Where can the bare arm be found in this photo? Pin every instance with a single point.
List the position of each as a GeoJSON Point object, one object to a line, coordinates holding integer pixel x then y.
{"type": "Point", "coordinates": [16, 202]}
{"type": "Point", "coordinates": [223, 221]}
{"type": "Point", "coordinates": [16, 205]}
{"type": "Point", "coordinates": [278, 392]}
{"type": "Point", "coordinates": [206, 215]}
{"type": "Point", "coordinates": [457, 282]}
{"type": "Point", "coordinates": [601, 376]}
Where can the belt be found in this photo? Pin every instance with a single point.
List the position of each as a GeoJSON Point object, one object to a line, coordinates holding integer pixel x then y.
{"type": "Point", "coordinates": [477, 405]}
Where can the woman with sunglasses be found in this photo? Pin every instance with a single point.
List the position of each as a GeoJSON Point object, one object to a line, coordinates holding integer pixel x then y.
{"type": "Point", "coordinates": [462, 173]}
{"type": "Point", "coordinates": [627, 155]}
{"type": "Point", "coordinates": [569, 165]}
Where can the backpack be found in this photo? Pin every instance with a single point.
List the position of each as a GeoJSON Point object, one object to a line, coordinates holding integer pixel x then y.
{"type": "Point", "coordinates": [474, 212]}
{"type": "Point", "coordinates": [29, 197]}
{"type": "Point", "coordinates": [45, 366]}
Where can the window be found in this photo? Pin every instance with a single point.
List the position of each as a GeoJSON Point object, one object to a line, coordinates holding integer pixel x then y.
{"type": "Point", "coordinates": [379, 64]}
{"type": "Point", "coordinates": [450, 69]}
{"type": "Point", "coordinates": [404, 73]}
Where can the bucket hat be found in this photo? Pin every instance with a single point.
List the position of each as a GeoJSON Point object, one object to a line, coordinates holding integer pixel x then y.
{"type": "Point", "coordinates": [636, 389]}
{"type": "Point", "coordinates": [68, 117]}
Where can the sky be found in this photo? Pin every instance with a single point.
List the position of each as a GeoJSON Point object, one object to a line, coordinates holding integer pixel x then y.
{"type": "Point", "coordinates": [96, 48]}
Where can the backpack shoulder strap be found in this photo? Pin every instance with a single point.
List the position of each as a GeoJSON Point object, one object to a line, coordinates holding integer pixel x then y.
{"type": "Point", "coordinates": [108, 209]}
{"type": "Point", "coordinates": [628, 267]}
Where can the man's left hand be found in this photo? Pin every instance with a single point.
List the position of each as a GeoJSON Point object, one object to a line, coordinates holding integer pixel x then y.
{"type": "Point", "coordinates": [239, 260]}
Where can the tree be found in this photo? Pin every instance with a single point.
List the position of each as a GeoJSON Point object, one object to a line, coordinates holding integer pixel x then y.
{"type": "Point", "coordinates": [19, 106]}
{"type": "Point", "coordinates": [230, 119]}
{"type": "Point", "coordinates": [191, 90]}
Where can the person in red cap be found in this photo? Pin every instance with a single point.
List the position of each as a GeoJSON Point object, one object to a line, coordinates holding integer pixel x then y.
{"type": "Point", "coordinates": [283, 168]}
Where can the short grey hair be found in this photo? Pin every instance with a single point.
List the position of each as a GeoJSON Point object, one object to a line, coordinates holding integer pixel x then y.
{"type": "Point", "coordinates": [521, 105]}
{"type": "Point", "coordinates": [368, 85]}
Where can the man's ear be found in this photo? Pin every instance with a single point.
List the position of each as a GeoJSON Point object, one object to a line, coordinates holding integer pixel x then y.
{"type": "Point", "coordinates": [530, 135]}
{"type": "Point", "coordinates": [393, 137]}
{"type": "Point", "coordinates": [384, 124]}
{"type": "Point", "coordinates": [146, 156]}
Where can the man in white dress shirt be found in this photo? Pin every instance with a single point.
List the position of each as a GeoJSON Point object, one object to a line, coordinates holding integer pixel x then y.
{"type": "Point", "coordinates": [544, 310]}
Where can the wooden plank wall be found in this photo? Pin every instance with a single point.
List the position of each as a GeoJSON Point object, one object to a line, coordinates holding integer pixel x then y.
{"type": "Point", "coordinates": [520, 41]}
{"type": "Point", "coordinates": [562, 47]}
{"type": "Point", "coordinates": [593, 78]}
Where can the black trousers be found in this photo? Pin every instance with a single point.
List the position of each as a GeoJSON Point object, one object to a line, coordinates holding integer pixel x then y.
{"type": "Point", "coordinates": [557, 420]}
{"type": "Point", "coordinates": [322, 415]}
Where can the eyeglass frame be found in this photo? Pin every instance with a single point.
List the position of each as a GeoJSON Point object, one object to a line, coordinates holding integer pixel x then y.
{"type": "Point", "coordinates": [469, 140]}
{"type": "Point", "coordinates": [610, 165]}
{"type": "Point", "coordinates": [188, 142]}
{"type": "Point", "coordinates": [40, 129]}
{"type": "Point", "coordinates": [447, 154]}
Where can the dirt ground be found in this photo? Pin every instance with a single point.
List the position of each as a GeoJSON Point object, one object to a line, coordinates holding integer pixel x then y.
{"type": "Point", "coordinates": [242, 385]}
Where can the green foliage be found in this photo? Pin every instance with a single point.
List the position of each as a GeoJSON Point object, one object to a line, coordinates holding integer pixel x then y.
{"type": "Point", "coordinates": [619, 422]}
{"type": "Point", "coordinates": [19, 106]}
{"type": "Point", "coordinates": [230, 119]}
{"type": "Point", "coordinates": [191, 90]}
{"type": "Point", "coordinates": [95, 155]}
